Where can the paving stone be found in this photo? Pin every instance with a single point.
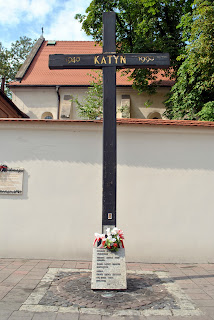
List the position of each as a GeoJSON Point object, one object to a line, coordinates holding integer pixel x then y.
{"type": "Point", "coordinates": [45, 316]}
{"type": "Point", "coordinates": [4, 291]}
{"type": "Point", "coordinates": [133, 266]}
{"type": "Point", "coordinates": [201, 281]}
{"type": "Point", "coordinates": [207, 287]}
{"type": "Point", "coordinates": [135, 318]}
{"type": "Point", "coordinates": [4, 317]}
{"type": "Point", "coordinates": [210, 293]}
{"type": "Point", "coordinates": [57, 264]}
{"type": "Point", "coordinates": [208, 267]}
{"type": "Point", "coordinates": [32, 262]}
{"type": "Point", "coordinates": [202, 317]}
{"type": "Point", "coordinates": [89, 317]}
{"type": "Point", "coordinates": [27, 284]}
{"type": "Point", "coordinates": [21, 315]}
{"type": "Point", "coordinates": [35, 275]}
{"type": "Point", "coordinates": [190, 285]}
{"type": "Point", "coordinates": [208, 311]}
{"type": "Point", "coordinates": [9, 305]}
{"type": "Point", "coordinates": [199, 296]}
{"type": "Point", "coordinates": [26, 267]}
{"type": "Point", "coordinates": [4, 275]}
{"type": "Point", "coordinates": [67, 316]}
{"type": "Point", "coordinates": [12, 280]}
{"type": "Point", "coordinates": [20, 272]}
{"type": "Point", "coordinates": [90, 266]}
{"type": "Point", "coordinates": [70, 264]}
{"type": "Point", "coordinates": [159, 318]}
{"type": "Point", "coordinates": [193, 290]}
{"type": "Point", "coordinates": [4, 314]}
{"type": "Point", "coordinates": [41, 267]}
{"type": "Point", "coordinates": [82, 265]}
{"type": "Point", "coordinates": [204, 303]}
{"type": "Point", "coordinates": [16, 296]}
{"type": "Point", "coordinates": [201, 271]}
{"type": "Point", "coordinates": [43, 264]}
{"type": "Point", "coordinates": [125, 318]}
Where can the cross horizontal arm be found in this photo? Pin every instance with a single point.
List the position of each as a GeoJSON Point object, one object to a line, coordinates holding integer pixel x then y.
{"type": "Point", "coordinates": [98, 61]}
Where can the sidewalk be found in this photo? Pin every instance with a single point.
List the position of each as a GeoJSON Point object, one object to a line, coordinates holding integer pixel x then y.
{"type": "Point", "coordinates": [19, 278]}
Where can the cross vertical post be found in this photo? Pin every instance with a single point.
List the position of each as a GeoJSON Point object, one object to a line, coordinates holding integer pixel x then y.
{"type": "Point", "coordinates": [109, 125]}
{"type": "Point", "coordinates": [109, 61]}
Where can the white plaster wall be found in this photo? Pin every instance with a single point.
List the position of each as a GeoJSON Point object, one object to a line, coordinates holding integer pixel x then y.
{"type": "Point", "coordinates": [138, 108]}
{"type": "Point", "coordinates": [36, 101]}
{"type": "Point", "coordinates": [164, 200]}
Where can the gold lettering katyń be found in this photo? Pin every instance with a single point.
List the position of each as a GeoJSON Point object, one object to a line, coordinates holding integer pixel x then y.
{"type": "Point", "coordinates": [73, 59]}
{"type": "Point", "coordinates": [96, 61]}
{"type": "Point", "coordinates": [109, 59]}
{"type": "Point", "coordinates": [146, 59]}
{"type": "Point", "coordinates": [122, 59]}
{"type": "Point", "coordinates": [116, 58]}
{"type": "Point", "coordinates": [103, 60]}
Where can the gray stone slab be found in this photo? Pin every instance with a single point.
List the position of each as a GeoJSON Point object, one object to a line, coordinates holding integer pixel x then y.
{"type": "Point", "coordinates": [108, 269]}
{"type": "Point", "coordinates": [45, 316]}
{"type": "Point", "coordinates": [67, 316]}
{"type": "Point", "coordinates": [90, 317]}
{"type": "Point", "coordinates": [9, 305]}
{"type": "Point", "coordinates": [4, 314]}
{"type": "Point", "coordinates": [127, 318]}
{"type": "Point", "coordinates": [21, 315]}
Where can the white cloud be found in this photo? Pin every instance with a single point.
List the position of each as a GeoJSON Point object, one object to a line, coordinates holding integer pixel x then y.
{"type": "Point", "coordinates": [65, 26]}
{"type": "Point", "coordinates": [10, 11]}
{"type": "Point", "coordinates": [27, 17]}
{"type": "Point", "coordinates": [14, 11]}
{"type": "Point", "coordinates": [40, 8]}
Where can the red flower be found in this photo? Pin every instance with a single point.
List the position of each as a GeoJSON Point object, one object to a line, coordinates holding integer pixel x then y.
{"type": "Point", "coordinates": [115, 245]}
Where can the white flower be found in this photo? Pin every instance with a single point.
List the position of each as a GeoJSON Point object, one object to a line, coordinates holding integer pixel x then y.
{"type": "Point", "coordinates": [108, 231]}
{"type": "Point", "coordinates": [114, 231]}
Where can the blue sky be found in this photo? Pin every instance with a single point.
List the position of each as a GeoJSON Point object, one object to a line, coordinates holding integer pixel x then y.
{"type": "Point", "coordinates": [27, 17]}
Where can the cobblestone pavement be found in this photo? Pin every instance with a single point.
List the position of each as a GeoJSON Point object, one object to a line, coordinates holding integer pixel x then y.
{"type": "Point", "coordinates": [187, 288]}
{"type": "Point", "coordinates": [144, 291]}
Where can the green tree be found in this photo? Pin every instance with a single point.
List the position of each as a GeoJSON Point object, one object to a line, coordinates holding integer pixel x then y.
{"type": "Point", "coordinates": [12, 59]}
{"type": "Point", "coordinates": [192, 97]}
{"type": "Point", "coordinates": [141, 26]}
{"type": "Point", "coordinates": [4, 61]}
{"type": "Point", "coordinates": [91, 106]}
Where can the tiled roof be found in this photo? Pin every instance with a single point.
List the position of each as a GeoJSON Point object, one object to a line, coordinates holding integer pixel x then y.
{"type": "Point", "coordinates": [39, 74]}
{"type": "Point", "coordinates": [132, 121]}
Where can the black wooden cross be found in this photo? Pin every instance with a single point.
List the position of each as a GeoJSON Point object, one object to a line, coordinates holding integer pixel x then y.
{"type": "Point", "coordinates": [109, 61]}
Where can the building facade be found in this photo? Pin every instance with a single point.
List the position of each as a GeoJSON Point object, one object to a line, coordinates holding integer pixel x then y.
{"type": "Point", "coordinates": [49, 94]}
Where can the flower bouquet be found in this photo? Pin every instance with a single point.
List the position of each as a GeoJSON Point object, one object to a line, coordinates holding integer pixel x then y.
{"type": "Point", "coordinates": [112, 240]}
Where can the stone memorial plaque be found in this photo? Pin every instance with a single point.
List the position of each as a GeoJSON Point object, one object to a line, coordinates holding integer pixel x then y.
{"type": "Point", "coordinates": [108, 269]}
{"type": "Point", "coordinates": [11, 181]}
